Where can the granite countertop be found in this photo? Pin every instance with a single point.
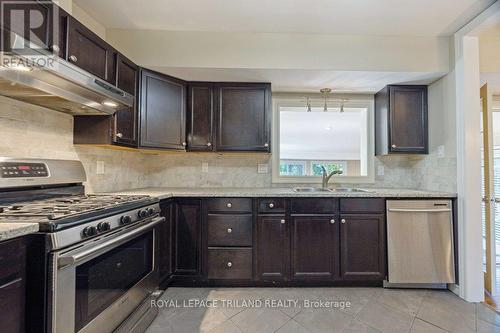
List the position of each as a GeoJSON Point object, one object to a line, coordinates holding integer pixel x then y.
{"type": "Point", "coordinates": [169, 192]}
{"type": "Point", "coordinates": [12, 230]}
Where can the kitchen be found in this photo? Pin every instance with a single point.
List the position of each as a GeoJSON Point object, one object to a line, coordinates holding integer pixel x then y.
{"type": "Point", "coordinates": [154, 176]}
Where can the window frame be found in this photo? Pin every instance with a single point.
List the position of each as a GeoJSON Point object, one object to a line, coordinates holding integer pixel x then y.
{"type": "Point", "coordinates": [299, 100]}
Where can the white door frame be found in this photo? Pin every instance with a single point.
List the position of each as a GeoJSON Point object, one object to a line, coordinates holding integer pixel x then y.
{"type": "Point", "coordinates": [467, 85]}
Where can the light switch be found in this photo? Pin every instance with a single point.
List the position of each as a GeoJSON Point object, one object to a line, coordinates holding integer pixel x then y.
{"type": "Point", "coordinates": [262, 168]}
{"type": "Point", "coordinates": [204, 167]}
{"type": "Point", "coordinates": [380, 170]}
{"type": "Point", "coordinates": [100, 168]}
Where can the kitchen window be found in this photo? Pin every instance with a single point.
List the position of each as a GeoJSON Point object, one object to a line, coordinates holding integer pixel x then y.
{"type": "Point", "coordinates": [340, 139]}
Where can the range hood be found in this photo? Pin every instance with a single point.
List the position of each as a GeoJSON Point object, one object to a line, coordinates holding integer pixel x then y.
{"type": "Point", "coordinates": [61, 86]}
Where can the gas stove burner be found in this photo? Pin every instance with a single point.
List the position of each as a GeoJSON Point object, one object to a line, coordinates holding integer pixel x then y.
{"type": "Point", "coordinates": [60, 210]}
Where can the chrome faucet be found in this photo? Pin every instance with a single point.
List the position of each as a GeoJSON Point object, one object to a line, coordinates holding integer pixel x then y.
{"type": "Point", "coordinates": [326, 177]}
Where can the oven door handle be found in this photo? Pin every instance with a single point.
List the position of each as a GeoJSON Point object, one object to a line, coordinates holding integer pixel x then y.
{"type": "Point", "coordinates": [73, 259]}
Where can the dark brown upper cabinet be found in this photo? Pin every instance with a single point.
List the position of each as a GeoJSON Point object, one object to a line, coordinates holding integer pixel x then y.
{"type": "Point", "coordinates": [127, 74]}
{"type": "Point", "coordinates": [41, 35]}
{"type": "Point", "coordinates": [362, 241]}
{"type": "Point", "coordinates": [401, 124]}
{"type": "Point", "coordinates": [88, 51]}
{"type": "Point", "coordinates": [243, 117]}
{"type": "Point", "coordinates": [200, 117]}
{"type": "Point", "coordinates": [162, 109]}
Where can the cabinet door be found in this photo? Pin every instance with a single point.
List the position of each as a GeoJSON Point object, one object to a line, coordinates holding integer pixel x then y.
{"type": "Point", "coordinates": [408, 119]}
{"type": "Point", "coordinates": [165, 241]}
{"type": "Point", "coordinates": [200, 136]}
{"type": "Point", "coordinates": [272, 248]}
{"type": "Point", "coordinates": [187, 237]}
{"type": "Point", "coordinates": [315, 247]}
{"type": "Point", "coordinates": [126, 119]}
{"type": "Point", "coordinates": [16, 15]}
{"type": "Point", "coordinates": [89, 52]}
{"type": "Point", "coordinates": [362, 241]}
{"type": "Point", "coordinates": [243, 113]}
{"type": "Point", "coordinates": [162, 111]}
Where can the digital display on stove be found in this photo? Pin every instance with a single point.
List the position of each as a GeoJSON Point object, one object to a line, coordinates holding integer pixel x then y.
{"type": "Point", "coordinates": [24, 170]}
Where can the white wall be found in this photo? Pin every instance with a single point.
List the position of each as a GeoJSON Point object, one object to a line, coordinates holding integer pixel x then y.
{"type": "Point", "coordinates": [278, 51]}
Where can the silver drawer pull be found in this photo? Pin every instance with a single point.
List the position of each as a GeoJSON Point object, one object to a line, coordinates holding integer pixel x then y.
{"type": "Point", "coordinates": [266, 144]}
{"type": "Point", "coordinates": [271, 205]}
{"type": "Point", "coordinates": [343, 221]}
{"type": "Point", "coordinates": [229, 205]}
{"type": "Point", "coordinates": [282, 221]}
{"type": "Point", "coordinates": [73, 58]}
{"type": "Point", "coordinates": [394, 146]}
{"type": "Point", "coordinates": [332, 221]}
{"type": "Point", "coordinates": [229, 230]}
{"type": "Point", "coordinates": [119, 135]}
{"type": "Point", "coordinates": [229, 264]}
{"type": "Point", "coordinates": [209, 144]}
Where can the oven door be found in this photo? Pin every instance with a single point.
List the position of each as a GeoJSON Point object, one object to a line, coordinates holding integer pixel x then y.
{"type": "Point", "coordinates": [98, 285]}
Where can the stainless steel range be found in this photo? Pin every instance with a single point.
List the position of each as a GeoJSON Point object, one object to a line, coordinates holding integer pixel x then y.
{"type": "Point", "coordinates": [94, 262]}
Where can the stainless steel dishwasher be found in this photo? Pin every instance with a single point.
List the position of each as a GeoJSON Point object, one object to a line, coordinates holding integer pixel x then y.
{"type": "Point", "coordinates": [420, 243]}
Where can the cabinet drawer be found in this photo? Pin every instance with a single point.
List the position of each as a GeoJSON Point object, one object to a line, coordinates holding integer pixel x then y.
{"type": "Point", "coordinates": [12, 260]}
{"type": "Point", "coordinates": [314, 205]}
{"type": "Point", "coordinates": [230, 264]}
{"type": "Point", "coordinates": [362, 205]}
{"type": "Point", "coordinates": [229, 230]}
{"type": "Point", "coordinates": [241, 205]}
{"type": "Point", "coordinates": [272, 205]}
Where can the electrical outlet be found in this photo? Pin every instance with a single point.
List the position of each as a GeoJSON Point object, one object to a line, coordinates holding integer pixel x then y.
{"type": "Point", "coordinates": [263, 168]}
{"type": "Point", "coordinates": [380, 170]}
{"type": "Point", "coordinates": [204, 167]}
{"type": "Point", "coordinates": [440, 152]}
{"type": "Point", "coordinates": [100, 168]}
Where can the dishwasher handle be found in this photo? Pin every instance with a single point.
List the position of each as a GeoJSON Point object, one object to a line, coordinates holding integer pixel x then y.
{"type": "Point", "coordinates": [416, 210]}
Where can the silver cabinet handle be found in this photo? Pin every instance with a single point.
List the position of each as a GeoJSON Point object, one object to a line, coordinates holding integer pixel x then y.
{"type": "Point", "coordinates": [229, 205]}
{"type": "Point", "coordinates": [271, 205]}
{"type": "Point", "coordinates": [343, 221]}
{"type": "Point", "coordinates": [266, 144]}
{"type": "Point", "coordinates": [229, 264]}
{"type": "Point", "coordinates": [394, 146]}
{"type": "Point", "coordinates": [119, 135]}
{"type": "Point", "coordinates": [55, 48]}
{"type": "Point", "coordinates": [209, 144]}
{"type": "Point", "coordinates": [416, 210]}
{"type": "Point", "coordinates": [184, 144]}
{"type": "Point", "coordinates": [282, 221]}
{"type": "Point", "coordinates": [229, 230]}
{"type": "Point", "coordinates": [73, 58]}
{"type": "Point", "coordinates": [332, 221]}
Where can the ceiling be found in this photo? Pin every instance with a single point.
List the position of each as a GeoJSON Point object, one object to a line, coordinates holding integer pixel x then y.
{"type": "Point", "coordinates": [290, 80]}
{"type": "Point", "coordinates": [367, 17]}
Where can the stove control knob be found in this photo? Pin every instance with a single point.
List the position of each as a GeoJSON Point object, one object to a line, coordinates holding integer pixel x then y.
{"type": "Point", "coordinates": [89, 231]}
{"type": "Point", "coordinates": [142, 213]}
{"type": "Point", "coordinates": [103, 226]}
{"type": "Point", "coordinates": [151, 211]}
{"type": "Point", "coordinates": [125, 219]}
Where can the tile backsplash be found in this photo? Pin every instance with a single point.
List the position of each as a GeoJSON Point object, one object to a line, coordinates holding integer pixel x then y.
{"type": "Point", "coordinates": [31, 131]}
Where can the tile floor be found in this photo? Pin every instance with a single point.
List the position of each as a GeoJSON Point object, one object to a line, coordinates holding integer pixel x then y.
{"type": "Point", "coordinates": [298, 310]}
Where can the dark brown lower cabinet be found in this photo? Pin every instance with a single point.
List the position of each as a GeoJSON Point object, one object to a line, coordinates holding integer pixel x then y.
{"type": "Point", "coordinates": [13, 285]}
{"type": "Point", "coordinates": [314, 248]}
{"type": "Point", "coordinates": [165, 241]}
{"type": "Point", "coordinates": [362, 247]}
{"type": "Point", "coordinates": [272, 255]}
{"type": "Point", "coordinates": [187, 242]}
